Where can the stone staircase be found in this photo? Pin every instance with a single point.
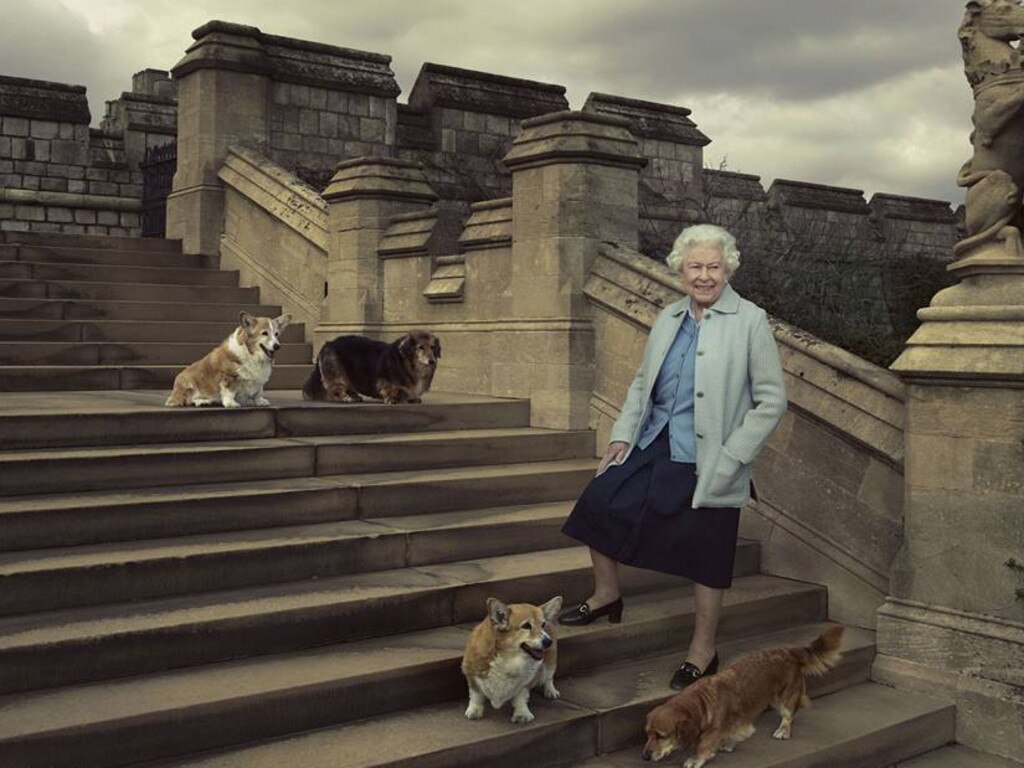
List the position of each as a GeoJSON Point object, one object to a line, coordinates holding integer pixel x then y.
{"type": "Point", "coordinates": [294, 586]}
{"type": "Point", "coordinates": [81, 312]}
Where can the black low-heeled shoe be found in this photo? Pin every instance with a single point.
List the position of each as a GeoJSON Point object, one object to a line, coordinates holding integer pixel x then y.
{"type": "Point", "coordinates": [690, 673]}
{"type": "Point", "coordinates": [581, 614]}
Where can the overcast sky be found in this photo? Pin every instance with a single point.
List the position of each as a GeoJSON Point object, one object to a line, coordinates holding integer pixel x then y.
{"type": "Point", "coordinates": [861, 93]}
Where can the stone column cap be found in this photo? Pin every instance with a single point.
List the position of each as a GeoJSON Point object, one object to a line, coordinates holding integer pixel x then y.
{"type": "Point", "coordinates": [241, 48]}
{"type": "Point", "coordinates": [575, 137]}
{"type": "Point", "coordinates": [649, 119]}
{"type": "Point", "coordinates": [379, 177]}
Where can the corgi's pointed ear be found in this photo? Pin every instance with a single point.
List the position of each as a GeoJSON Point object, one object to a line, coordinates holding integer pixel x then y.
{"type": "Point", "coordinates": [497, 612]}
{"type": "Point", "coordinates": [551, 608]}
{"type": "Point", "coordinates": [282, 322]}
{"type": "Point", "coordinates": [437, 347]}
{"type": "Point", "coordinates": [246, 320]}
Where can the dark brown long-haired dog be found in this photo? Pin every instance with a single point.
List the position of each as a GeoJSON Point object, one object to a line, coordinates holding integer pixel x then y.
{"type": "Point", "coordinates": [718, 712]}
{"type": "Point", "coordinates": [353, 366]}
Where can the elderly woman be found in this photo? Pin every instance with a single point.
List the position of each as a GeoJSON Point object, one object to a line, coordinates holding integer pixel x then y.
{"type": "Point", "coordinates": [668, 491]}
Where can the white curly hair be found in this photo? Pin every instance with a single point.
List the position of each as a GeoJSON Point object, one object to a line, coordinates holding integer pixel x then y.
{"type": "Point", "coordinates": [704, 234]}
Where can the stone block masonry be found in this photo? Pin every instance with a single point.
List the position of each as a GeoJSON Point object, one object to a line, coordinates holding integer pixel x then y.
{"type": "Point", "coordinates": [57, 175]}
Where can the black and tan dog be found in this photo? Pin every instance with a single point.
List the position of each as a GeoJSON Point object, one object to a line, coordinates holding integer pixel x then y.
{"type": "Point", "coordinates": [352, 367]}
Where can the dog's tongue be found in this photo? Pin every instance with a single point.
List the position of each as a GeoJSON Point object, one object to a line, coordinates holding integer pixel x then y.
{"type": "Point", "coordinates": [536, 653]}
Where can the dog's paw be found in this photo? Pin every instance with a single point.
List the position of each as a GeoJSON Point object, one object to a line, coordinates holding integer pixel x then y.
{"type": "Point", "coordinates": [550, 692]}
{"type": "Point", "coordinates": [694, 762]}
{"type": "Point", "coordinates": [781, 733]}
{"type": "Point", "coordinates": [727, 747]}
{"type": "Point", "coordinates": [523, 716]}
{"type": "Point", "coordinates": [474, 711]}
{"type": "Point", "coordinates": [260, 400]}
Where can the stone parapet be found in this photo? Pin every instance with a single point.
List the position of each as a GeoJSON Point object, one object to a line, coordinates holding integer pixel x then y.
{"type": "Point", "coordinates": [729, 185]}
{"type": "Point", "coordinates": [489, 225]}
{"type": "Point", "coordinates": [911, 208]}
{"type": "Point", "coordinates": [648, 119]}
{"type": "Point", "coordinates": [439, 86]}
{"type": "Point", "coordinates": [275, 234]}
{"type": "Point", "coordinates": [43, 100]}
{"type": "Point", "coordinates": [240, 48]}
{"type": "Point", "coordinates": [803, 194]}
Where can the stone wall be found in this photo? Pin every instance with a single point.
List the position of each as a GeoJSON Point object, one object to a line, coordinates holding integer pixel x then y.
{"type": "Point", "coordinates": [275, 234]}
{"type": "Point", "coordinates": [57, 174]}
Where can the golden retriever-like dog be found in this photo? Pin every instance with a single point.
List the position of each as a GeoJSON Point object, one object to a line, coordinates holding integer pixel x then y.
{"type": "Point", "coordinates": [718, 712]}
{"type": "Point", "coordinates": [511, 651]}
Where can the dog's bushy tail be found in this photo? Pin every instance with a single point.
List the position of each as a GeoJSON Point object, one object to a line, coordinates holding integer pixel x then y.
{"type": "Point", "coordinates": [823, 653]}
{"type": "Point", "coordinates": [314, 389]}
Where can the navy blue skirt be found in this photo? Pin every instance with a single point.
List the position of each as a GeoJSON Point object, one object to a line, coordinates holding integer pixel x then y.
{"type": "Point", "coordinates": [640, 514]}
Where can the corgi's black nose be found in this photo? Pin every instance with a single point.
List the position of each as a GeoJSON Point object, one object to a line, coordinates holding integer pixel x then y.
{"type": "Point", "coordinates": [647, 755]}
{"type": "Point", "coordinates": [546, 642]}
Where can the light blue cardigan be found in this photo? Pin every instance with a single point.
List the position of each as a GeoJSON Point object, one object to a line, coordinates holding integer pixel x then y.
{"type": "Point", "coordinates": [740, 393]}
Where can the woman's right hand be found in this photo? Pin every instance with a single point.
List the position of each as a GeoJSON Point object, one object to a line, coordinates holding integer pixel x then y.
{"type": "Point", "coordinates": [615, 452]}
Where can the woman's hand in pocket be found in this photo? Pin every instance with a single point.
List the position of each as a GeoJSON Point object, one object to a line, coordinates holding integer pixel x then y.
{"type": "Point", "coordinates": [614, 453]}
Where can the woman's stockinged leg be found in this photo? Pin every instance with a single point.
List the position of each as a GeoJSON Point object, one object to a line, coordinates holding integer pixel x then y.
{"type": "Point", "coordinates": [606, 580]}
{"type": "Point", "coordinates": [707, 609]}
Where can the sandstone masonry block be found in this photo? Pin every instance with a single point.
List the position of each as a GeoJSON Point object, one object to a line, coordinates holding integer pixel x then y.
{"type": "Point", "coordinates": [67, 131]}
{"type": "Point", "coordinates": [129, 219]}
{"type": "Point", "coordinates": [10, 180]}
{"type": "Point", "coordinates": [51, 184]}
{"type": "Point", "coordinates": [19, 149]}
{"type": "Point", "coordinates": [60, 215]}
{"type": "Point", "coordinates": [281, 93]}
{"type": "Point", "coordinates": [300, 95]}
{"type": "Point", "coordinates": [97, 174]}
{"type": "Point", "coordinates": [318, 98]}
{"type": "Point", "coordinates": [73, 229]}
{"type": "Point", "coordinates": [44, 129]}
{"type": "Point", "coordinates": [337, 102]}
{"type": "Point", "coordinates": [15, 126]}
{"type": "Point", "coordinates": [107, 218]}
{"type": "Point", "coordinates": [39, 149]}
{"type": "Point", "coordinates": [13, 225]}
{"type": "Point", "coordinates": [85, 216]}
{"type": "Point", "coordinates": [30, 167]}
{"type": "Point", "coordinates": [309, 121]}
{"type": "Point", "coordinates": [77, 185]}
{"type": "Point", "coordinates": [102, 188]}
{"type": "Point", "coordinates": [30, 213]}
{"type": "Point", "coordinates": [6, 211]}
{"type": "Point", "coordinates": [30, 182]}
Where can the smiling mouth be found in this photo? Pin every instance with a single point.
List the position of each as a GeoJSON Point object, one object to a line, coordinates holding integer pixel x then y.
{"type": "Point", "coordinates": [535, 653]}
{"type": "Point", "coordinates": [269, 352]}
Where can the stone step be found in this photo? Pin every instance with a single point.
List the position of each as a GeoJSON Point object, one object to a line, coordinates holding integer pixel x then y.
{"type": "Point", "coordinates": [51, 579]}
{"type": "Point", "coordinates": [863, 726]}
{"type": "Point", "coordinates": [116, 273]}
{"type": "Point", "coordinates": [849, 729]}
{"type": "Point", "coordinates": [50, 378]}
{"type": "Point", "coordinates": [113, 243]}
{"type": "Point", "coordinates": [59, 648]}
{"type": "Point", "coordinates": [83, 518]}
{"type": "Point", "coordinates": [162, 311]}
{"type": "Point", "coordinates": [134, 257]}
{"type": "Point", "coordinates": [958, 756]}
{"type": "Point", "coordinates": [71, 353]}
{"type": "Point", "coordinates": [292, 692]}
{"type": "Point", "coordinates": [131, 331]}
{"type": "Point", "coordinates": [67, 419]}
{"type": "Point", "coordinates": [106, 291]}
{"type": "Point", "coordinates": [64, 470]}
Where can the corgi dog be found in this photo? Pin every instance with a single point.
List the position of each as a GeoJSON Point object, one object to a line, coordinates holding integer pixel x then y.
{"type": "Point", "coordinates": [718, 712]}
{"type": "Point", "coordinates": [234, 373]}
{"type": "Point", "coordinates": [511, 651]}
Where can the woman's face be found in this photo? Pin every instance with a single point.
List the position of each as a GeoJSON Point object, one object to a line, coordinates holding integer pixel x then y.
{"type": "Point", "coordinates": [704, 274]}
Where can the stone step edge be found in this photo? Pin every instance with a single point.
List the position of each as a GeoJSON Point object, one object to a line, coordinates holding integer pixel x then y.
{"type": "Point", "coordinates": [156, 270]}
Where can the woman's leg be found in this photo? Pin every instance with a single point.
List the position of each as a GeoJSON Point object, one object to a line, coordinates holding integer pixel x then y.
{"type": "Point", "coordinates": [708, 607]}
{"type": "Point", "coordinates": [606, 581]}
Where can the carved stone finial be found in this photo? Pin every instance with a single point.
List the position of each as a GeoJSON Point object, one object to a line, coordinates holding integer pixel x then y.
{"type": "Point", "coordinates": [994, 176]}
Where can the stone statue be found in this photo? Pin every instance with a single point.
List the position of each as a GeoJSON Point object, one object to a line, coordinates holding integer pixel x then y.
{"type": "Point", "coordinates": [994, 176]}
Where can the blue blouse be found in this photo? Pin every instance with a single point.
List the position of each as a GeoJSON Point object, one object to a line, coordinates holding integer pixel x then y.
{"type": "Point", "coordinates": [673, 396]}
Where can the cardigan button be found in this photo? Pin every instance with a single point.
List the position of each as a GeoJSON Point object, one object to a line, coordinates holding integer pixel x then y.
{"type": "Point", "coordinates": [700, 394]}
{"type": "Point", "coordinates": [700, 436]}
{"type": "Point", "coordinates": [700, 352]}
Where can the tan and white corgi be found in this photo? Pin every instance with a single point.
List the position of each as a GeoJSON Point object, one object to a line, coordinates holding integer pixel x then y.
{"type": "Point", "coordinates": [511, 651]}
{"type": "Point", "coordinates": [234, 373]}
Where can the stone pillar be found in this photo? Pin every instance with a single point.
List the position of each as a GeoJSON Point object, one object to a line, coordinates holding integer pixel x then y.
{"type": "Point", "coordinates": [364, 194]}
{"type": "Point", "coordinates": [222, 100]}
{"type": "Point", "coordinates": [952, 624]}
{"type": "Point", "coordinates": [574, 186]}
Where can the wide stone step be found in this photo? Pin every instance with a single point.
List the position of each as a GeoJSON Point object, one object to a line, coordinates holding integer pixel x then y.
{"type": "Point", "coordinates": [293, 692]}
{"type": "Point", "coordinates": [82, 518]}
{"type": "Point", "coordinates": [113, 469]}
{"type": "Point", "coordinates": [133, 257]}
{"type": "Point", "coordinates": [959, 756]}
{"type": "Point", "coordinates": [50, 579]}
{"type": "Point", "coordinates": [864, 726]}
{"type": "Point", "coordinates": [52, 378]}
{"type": "Point", "coordinates": [123, 331]}
{"type": "Point", "coordinates": [56, 353]}
{"type": "Point", "coordinates": [120, 291]}
{"type": "Point", "coordinates": [66, 419]}
{"type": "Point", "coordinates": [161, 311]}
{"type": "Point", "coordinates": [115, 273]}
{"type": "Point", "coordinates": [112, 243]}
{"type": "Point", "coordinates": [78, 645]}
{"type": "Point", "coordinates": [852, 728]}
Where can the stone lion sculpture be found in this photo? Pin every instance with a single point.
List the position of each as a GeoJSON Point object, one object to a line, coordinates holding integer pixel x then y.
{"type": "Point", "coordinates": [994, 176]}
